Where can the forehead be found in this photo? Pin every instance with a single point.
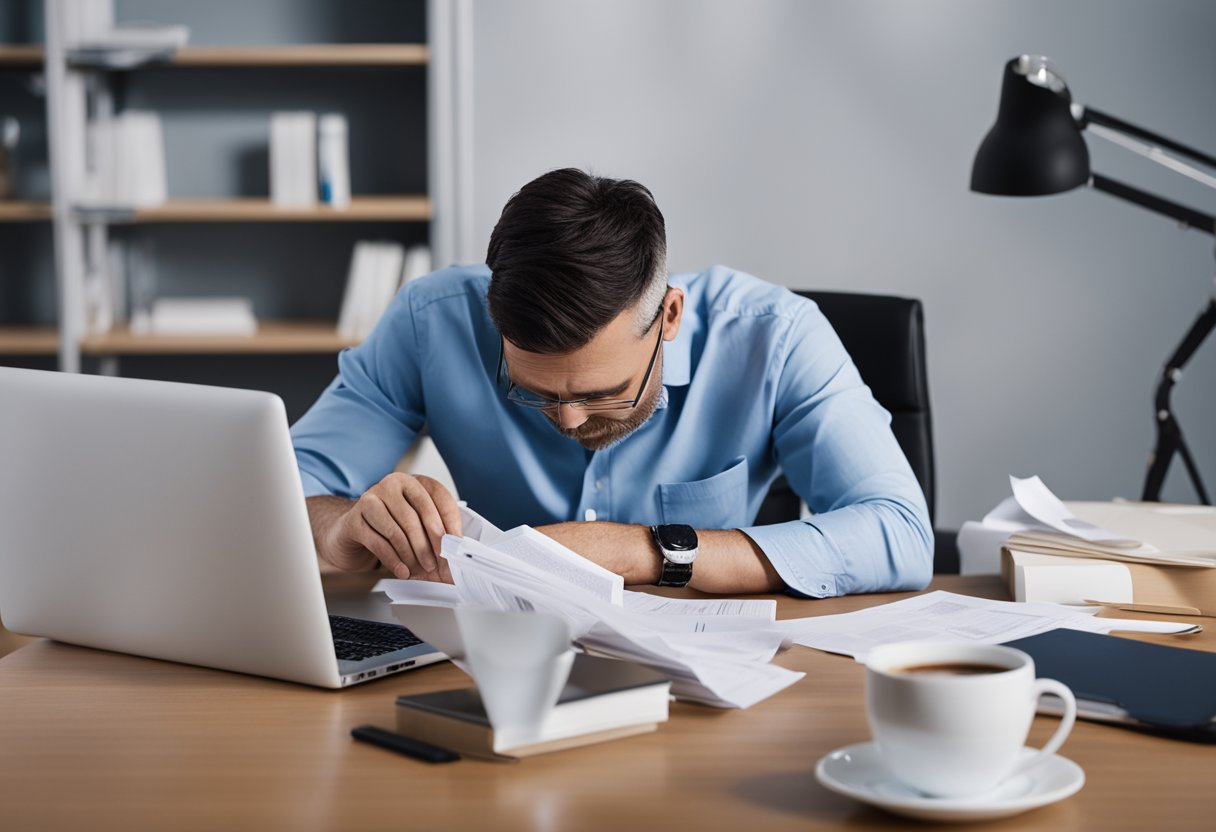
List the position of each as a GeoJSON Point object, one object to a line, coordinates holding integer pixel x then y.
{"type": "Point", "coordinates": [602, 364]}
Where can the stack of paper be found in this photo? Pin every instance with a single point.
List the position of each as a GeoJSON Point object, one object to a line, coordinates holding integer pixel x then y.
{"type": "Point", "coordinates": [89, 24]}
{"type": "Point", "coordinates": [1035, 520]}
{"type": "Point", "coordinates": [293, 159]}
{"type": "Point", "coordinates": [129, 162]}
{"type": "Point", "coordinates": [90, 32]}
{"type": "Point", "coordinates": [377, 270]}
{"type": "Point", "coordinates": [202, 316]}
{"type": "Point", "coordinates": [716, 652]}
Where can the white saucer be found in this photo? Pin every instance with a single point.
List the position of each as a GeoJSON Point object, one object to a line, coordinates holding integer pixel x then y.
{"type": "Point", "coordinates": [856, 771]}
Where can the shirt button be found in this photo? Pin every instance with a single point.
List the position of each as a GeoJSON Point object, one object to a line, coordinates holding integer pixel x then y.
{"type": "Point", "coordinates": [599, 485]}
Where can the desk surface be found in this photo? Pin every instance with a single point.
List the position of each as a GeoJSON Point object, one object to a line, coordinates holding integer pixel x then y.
{"type": "Point", "coordinates": [97, 740]}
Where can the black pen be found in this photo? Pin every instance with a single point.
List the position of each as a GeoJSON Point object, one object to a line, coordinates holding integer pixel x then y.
{"type": "Point", "coordinates": [408, 746]}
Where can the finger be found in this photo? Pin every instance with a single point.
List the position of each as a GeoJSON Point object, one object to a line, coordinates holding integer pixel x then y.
{"type": "Point", "coordinates": [430, 521]}
{"type": "Point", "coordinates": [383, 551]}
{"type": "Point", "coordinates": [382, 522]}
{"type": "Point", "coordinates": [445, 571]}
{"type": "Point", "coordinates": [445, 504]}
{"type": "Point", "coordinates": [406, 503]}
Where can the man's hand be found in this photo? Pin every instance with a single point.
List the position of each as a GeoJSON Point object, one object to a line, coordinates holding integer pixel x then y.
{"type": "Point", "coordinates": [399, 522]}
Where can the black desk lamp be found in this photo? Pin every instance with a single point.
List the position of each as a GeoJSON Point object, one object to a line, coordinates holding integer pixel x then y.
{"type": "Point", "coordinates": [1035, 148]}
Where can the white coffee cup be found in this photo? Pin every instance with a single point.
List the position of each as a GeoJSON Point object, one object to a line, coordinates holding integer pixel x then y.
{"type": "Point", "coordinates": [956, 734]}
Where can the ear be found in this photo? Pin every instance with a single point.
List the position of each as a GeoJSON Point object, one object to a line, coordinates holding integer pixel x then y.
{"type": "Point", "coordinates": [673, 312]}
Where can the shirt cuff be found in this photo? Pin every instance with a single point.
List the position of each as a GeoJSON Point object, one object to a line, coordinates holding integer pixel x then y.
{"type": "Point", "coordinates": [802, 555]}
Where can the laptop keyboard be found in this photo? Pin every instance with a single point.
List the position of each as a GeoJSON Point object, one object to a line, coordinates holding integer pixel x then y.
{"type": "Point", "coordinates": [356, 639]}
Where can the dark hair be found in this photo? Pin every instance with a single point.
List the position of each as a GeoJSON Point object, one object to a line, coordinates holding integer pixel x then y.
{"type": "Point", "coordinates": [571, 252]}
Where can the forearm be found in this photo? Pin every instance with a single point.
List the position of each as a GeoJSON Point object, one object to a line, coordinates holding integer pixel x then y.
{"type": "Point", "coordinates": [727, 562]}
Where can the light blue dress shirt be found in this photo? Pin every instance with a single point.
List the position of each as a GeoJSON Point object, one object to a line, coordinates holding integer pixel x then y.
{"type": "Point", "coordinates": [755, 383]}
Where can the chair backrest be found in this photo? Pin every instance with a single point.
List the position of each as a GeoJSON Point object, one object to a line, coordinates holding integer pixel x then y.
{"type": "Point", "coordinates": [885, 337]}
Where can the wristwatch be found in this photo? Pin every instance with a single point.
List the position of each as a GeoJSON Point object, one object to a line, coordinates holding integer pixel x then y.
{"type": "Point", "coordinates": [678, 547]}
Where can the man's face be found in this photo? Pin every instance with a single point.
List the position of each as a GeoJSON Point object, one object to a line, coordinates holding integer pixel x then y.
{"type": "Point", "coordinates": [611, 366]}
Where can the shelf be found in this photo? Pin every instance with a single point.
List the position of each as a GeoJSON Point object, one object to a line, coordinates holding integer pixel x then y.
{"type": "Point", "coordinates": [273, 337]}
{"type": "Point", "coordinates": [294, 55]}
{"type": "Point", "coordinates": [20, 54]}
{"type": "Point", "coordinates": [28, 340]}
{"type": "Point", "coordinates": [15, 211]}
{"type": "Point", "coordinates": [323, 54]}
{"type": "Point", "coordinates": [257, 209]}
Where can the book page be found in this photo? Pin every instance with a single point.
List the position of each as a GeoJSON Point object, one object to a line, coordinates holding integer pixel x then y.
{"type": "Point", "coordinates": [547, 555]}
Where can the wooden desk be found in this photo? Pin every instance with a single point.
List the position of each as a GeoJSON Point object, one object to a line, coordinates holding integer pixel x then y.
{"type": "Point", "coordinates": [93, 740]}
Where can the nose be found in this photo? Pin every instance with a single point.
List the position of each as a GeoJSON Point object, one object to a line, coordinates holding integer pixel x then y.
{"type": "Point", "coordinates": [570, 417]}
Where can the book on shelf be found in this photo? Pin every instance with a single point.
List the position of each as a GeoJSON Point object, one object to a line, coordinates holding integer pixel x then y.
{"type": "Point", "coordinates": [333, 160]}
{"type": "Point", "coordinates": [129, 162]}
{"type": "Point", "coordinates": [293, 158]}
{"type": "Point", "coordinates": [377, 271]}
{"type": "Point", "coordinates": [199, 316]}
{"type": "Point", "coordinates": [604, 699]}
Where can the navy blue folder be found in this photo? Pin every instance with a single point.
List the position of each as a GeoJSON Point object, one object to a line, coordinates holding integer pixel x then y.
{"type": "Point", "coordinates": [1165, 690]}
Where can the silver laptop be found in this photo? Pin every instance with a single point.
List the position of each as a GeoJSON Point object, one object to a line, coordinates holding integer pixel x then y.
{"type": "Point", "coordinates": [167, 520]}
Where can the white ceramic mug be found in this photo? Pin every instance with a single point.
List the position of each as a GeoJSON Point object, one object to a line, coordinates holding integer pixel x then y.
{"type": "Point", "coordinates": [955, 735]}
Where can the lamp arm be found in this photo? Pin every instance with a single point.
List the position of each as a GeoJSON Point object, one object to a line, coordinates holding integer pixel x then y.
{"type": "Point", "coordinates": [1175, 210]}
{"type": "Point", "coordinates": [1090, 115]}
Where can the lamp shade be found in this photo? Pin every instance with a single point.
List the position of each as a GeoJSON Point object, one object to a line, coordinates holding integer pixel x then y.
{"type": "Point", "coordinates": [1035, 148]}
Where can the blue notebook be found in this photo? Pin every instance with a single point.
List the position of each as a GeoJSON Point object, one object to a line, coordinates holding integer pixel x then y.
{"type": "Point", "coordinates": [1151, 687]}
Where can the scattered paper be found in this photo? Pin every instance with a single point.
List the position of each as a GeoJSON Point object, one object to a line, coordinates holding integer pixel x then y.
{"type": "Point", "coordinates": [948, 616]}
{"type": "Point", "coordinates": [750, 608]}
{"type": "Point", "coordinates": [717, 652]}
{"type": "Point", "coordinates": [477, 527]}
{"type": "Point", "coordinates": [1036, 499]}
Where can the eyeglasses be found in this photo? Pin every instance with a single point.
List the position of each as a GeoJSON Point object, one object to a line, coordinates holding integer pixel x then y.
{"type": "Point", "coordinates": [526, 398]}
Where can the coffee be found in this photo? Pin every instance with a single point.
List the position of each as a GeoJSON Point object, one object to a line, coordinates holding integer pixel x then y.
{"type": "Point", "coordinates": [952, 669]}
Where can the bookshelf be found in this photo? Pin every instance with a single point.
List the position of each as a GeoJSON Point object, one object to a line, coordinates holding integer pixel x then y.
{"type": "Point", "coordinates": [253, 209]}
{"type": "Point", "coordinates": [21, 55]}
{"type": "Point", "coordinates": [399, 70]}
{"type": "Point", "coordinates": [29, 340]}
{"type": "Point", "coordinates": [305, 55]}
{"type": "Point", "coordinates": [24, 211]}
{"type": "Point", "coordinates": [272, 338]}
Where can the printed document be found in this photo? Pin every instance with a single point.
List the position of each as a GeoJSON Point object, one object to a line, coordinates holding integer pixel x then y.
{"type": "Point", "coordinates": [716, 651]}
{"type": "Point", "coordinates": [948, 616]}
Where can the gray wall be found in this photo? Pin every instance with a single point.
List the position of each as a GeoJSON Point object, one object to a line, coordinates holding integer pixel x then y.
{"type": "Point", "coordinates": [829, 145]}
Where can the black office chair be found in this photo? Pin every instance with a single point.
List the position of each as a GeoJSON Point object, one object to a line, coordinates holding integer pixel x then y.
{"type": "Point", "coordinates": [885, 337]}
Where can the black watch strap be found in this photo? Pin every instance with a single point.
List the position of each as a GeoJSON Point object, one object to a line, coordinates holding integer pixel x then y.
{"type": "Point", "coordinates": [675, 574]}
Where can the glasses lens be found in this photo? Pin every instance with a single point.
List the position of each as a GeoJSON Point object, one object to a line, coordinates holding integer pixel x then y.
{"type": "Point", "coordinates": [522, 397]}
{"type": "Point", "coordinates": [606, 404]}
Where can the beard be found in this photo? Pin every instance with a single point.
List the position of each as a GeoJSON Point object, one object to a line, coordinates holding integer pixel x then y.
{"type": "Point", "coordinates": [600, 432]}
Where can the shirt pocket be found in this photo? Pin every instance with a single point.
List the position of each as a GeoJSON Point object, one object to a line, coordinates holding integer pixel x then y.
{"type": "Point", "coordinates": [719, 502]}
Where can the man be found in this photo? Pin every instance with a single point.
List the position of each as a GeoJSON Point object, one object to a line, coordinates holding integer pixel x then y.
{"type": "Point", "coordinates": [636, 418]}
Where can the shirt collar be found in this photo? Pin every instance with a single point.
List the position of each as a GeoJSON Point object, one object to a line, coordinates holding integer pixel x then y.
{"type": "Point", "coordinates": [677, 354]}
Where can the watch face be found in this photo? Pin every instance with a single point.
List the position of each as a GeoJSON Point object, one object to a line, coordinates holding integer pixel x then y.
{"type": "Point", "coordinates": [679, 543]}
{"type": "Point", "coordinates": [677, 537]}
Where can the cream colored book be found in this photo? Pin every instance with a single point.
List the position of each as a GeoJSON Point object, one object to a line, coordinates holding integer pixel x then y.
{"type": "Point", "coordinates": [1172, 589]}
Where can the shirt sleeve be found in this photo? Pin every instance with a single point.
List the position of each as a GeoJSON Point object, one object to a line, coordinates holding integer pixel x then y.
{"type": "Point", "coordinates": [360, 427]}
{"type": "Point", "coordinates": [870, 530]}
